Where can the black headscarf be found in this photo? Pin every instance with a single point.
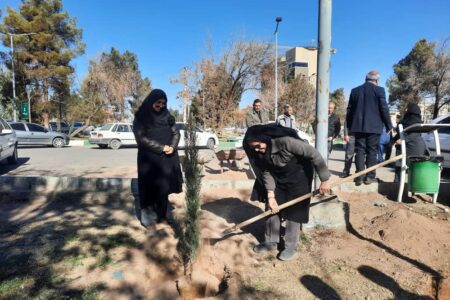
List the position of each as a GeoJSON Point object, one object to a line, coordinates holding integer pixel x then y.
{"type": "Point", "coordinates": [148, 117]}
{"type": "Point", "coordinates": [265, 134]}
{"type": "Point", "coordinates": [412, 115]}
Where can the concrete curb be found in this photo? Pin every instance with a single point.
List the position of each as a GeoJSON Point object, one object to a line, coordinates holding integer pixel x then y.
{"type": "Point", "coordinates": [47, 184]}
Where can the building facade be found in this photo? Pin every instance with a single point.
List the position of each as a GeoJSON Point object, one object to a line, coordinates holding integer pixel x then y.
{"type": "Point", "coordinates": [302, 61]}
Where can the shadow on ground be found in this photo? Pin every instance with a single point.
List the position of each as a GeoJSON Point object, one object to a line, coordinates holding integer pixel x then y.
{"type": "Point", "coordinates": [5, 167]}
{"type": "Point", "coordinates": [45, 238]}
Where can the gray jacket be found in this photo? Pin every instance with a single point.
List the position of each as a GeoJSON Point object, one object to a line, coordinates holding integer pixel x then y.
{"type": "Point", "coordinates": [281, 120]}
{"type": "Point", "coordinates": [284, 149]}
{"type": "Point", "coordinates": [253, 118]}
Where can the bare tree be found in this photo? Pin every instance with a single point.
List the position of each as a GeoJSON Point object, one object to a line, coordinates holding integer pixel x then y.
{"type": "Point", "coordinates": [439, 77]}
{"type": "Point", "coordinates": [217, 86]}
{"type": "Point", "coordinates": [300, 94]}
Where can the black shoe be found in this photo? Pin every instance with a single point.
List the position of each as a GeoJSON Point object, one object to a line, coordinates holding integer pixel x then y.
{"type": "Point", "coordinates": [368, 181]}
{"type": "Point", "coordinates": [358, 181]}
{"type": "Point", "coordinates": [265, 247]}
{"type": "Point", "coordinates": [344, 174]}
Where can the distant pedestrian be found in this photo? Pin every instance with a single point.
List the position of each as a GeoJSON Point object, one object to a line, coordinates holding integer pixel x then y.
{"type": "Point", "coordinates": [367, 116]}
{"type": "Point", "coordinates": [383, 145]}
{"type": "Point", "coordinates": [349, 138]}
{"type": "Point", "coordinates": [287, 119]}
{"type": "Point", "coordinates": [334, 126]}
{"type": "Point", "coordinates": [158, 164]}
{"type": "Point", "coordinates": [257, 115]}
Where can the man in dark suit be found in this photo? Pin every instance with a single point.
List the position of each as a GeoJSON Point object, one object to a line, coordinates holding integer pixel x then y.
{"type": "Point", "coordinates": [367, 115]}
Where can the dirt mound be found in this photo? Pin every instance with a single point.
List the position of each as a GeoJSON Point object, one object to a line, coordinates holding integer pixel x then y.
{"type": "Point", "coordinates": [409, 232]}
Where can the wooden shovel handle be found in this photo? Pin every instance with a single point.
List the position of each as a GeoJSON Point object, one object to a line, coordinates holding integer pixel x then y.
{"type": "Point", "coordinates": [309, 195]}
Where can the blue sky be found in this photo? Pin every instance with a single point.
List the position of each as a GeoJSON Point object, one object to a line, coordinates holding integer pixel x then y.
{"type": "Point", "coordinates": [168, 35]}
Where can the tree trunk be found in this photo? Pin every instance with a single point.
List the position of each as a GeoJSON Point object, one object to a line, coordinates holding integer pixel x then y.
{"type": "Point", "coordinates": [436, 104]}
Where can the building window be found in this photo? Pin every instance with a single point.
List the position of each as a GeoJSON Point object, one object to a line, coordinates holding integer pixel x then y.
{"type": "Point", "coordinates": [298, 64]}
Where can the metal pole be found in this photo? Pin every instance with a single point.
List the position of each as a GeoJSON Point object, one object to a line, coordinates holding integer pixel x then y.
{"type": "Point", "coordinates": [29, 107]}
{"type": "Point", "coordinates": [13, 79]}
{"type": "Point", "coordinates": [278, 20]}
{"type": "Point", "coordinates": [276, 73]}
{"type": "Point", "coordinates": [323, 78]}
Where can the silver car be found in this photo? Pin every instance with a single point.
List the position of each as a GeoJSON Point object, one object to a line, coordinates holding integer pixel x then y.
{"type": "Point", "coordinates": [34, 134]}
{"type": "Point", "coordinates": [444, 138]}
{"type": "Point", "coordinates": [8, 143]}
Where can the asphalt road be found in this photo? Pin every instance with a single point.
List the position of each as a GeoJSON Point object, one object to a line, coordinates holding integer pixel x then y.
{"type": "Point", "coordinates": [103, 163]}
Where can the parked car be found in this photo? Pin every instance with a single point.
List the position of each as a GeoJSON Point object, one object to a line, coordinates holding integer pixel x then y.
{"type": "Point", "coordinates": [85, 132]}
{"type": "Point", "coordinates": [8, 143]}
{"type": "Point", "coordinates": [444, 139]}
{"type": "Point", "coordinates": [204, 139]}
{"type": "Point", "coordinates": [113, 135]}
{"type": "Point", "coordinates": [64, 127]}
{"type": "Point", "coordinates": [34, 134]}
{"type": "Point", "coordinates": [301, 134]}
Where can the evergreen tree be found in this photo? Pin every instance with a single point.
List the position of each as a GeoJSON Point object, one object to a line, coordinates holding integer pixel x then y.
{"type": "Point", "coordinates": [189, 240]}
{"type": "Point", "coordinates": [46, 55]}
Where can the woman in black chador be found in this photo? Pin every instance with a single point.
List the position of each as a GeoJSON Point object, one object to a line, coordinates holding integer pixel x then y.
{"type": "Point", "coordinates": [159, 172]}
{"type": "Point", "coordinates": [283, 166]}
{"type": "Point", "coordinates": [415, 145]}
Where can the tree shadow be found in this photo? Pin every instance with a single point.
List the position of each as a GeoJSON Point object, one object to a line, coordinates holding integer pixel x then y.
{"type": "Point", "coordinates": [389, 283]}
{"type": "Point", "coordinates": [47, 236]}
{"type": "Point", "coordinates": [5, 168]}
{"type": "Point", "coordinates": [319, 288]}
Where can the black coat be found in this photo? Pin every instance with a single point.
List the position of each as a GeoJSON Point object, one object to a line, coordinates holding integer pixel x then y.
{"type": "Point", "coordinates": [334, 125]}
{"type": "Point", "coordinates": [159, 174]}
{"type": "Point", "coordinates": [367, 110]}
{"type": "Point", "coordinates": [415, 145]}
{"type": "Point", "coordinates": [286, 167]}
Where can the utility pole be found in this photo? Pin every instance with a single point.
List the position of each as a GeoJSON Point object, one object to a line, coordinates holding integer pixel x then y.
{"type": "Point", "coordinates": [13, 77]}
{"type": "Point", "coordinates": [323, 78]}
{"type": "Point", "coordinates": [278, 20]}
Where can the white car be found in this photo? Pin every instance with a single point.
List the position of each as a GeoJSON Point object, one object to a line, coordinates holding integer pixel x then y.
{"type": "Point", "coordinates": [301, 134]}
{"type": "Point", "coordinates": [204, 139]}
{"type": "Point", "coordinates": [8, 143]}
{"type": "Point", "coordinates": [113, 135]}
{"type": "Point", "coordinates": [444, 138]}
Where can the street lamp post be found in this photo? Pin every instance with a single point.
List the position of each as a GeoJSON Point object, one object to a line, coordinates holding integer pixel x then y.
{"type": "Point", "coordinates": [278, 20]}
{"type": "Point", "coordinates": [11, 35]}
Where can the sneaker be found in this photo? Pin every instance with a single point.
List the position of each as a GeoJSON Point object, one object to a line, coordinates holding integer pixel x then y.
{"type": "Point", "coordinates": [368, 181]}
{"type": "Point", "coordinates": [265, 247]}
{"type": "Point", "coordinates": [148, 216]}
{"type": "Point", "coordinates": [287, 254]}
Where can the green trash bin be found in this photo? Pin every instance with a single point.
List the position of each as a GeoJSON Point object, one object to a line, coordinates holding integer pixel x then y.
{"type": "Point", "coordinates": [423, 174]}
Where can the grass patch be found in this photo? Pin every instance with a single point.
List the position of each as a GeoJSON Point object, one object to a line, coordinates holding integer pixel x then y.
{"type": "Point", "coordinates": [92, 293]}
{"type": "Point", "coordinates": [14, 287]}
{"type": "Point", "coordinates": [72, 238]}
{"type": "Point", "coordinates": [121, 239]}
{"type": "Point", "coordinates": [103, 262]}
{"type": "Point", "coordinates": [75, 261]}
{"type": "Point", "coordinates": [253, 288]}
{"type": "Point", "coordinates": [304, 239]}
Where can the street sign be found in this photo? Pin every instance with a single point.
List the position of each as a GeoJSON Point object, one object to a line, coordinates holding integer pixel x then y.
{"type": "Point", "coordinates": [24, 110]}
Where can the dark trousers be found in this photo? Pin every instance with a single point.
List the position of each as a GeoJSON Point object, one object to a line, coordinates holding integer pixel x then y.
{"type": "Point", "coordinates": [366, 148]}
{"type": "Point", "coordinates": [291, 236]}
{"type": "Point", "coordinates": [349, 154]}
